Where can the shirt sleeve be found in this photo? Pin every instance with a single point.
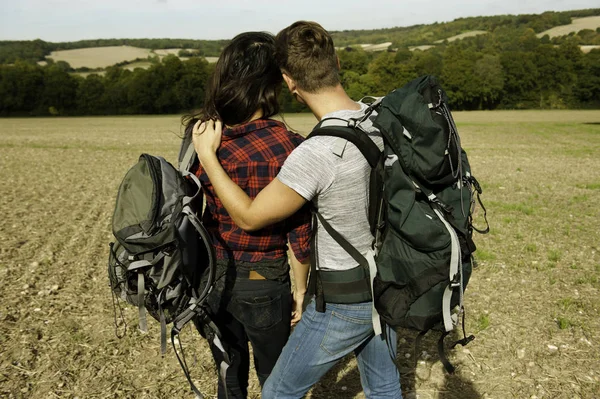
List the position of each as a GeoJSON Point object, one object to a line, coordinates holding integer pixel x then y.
{"type": "Point", "coordinates": [300, 233]}
{"type": "Point", "coordinates": [309, 170]}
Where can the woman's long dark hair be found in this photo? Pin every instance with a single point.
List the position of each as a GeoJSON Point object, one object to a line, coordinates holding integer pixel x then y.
{"type": "Point", "coordinates": [246, 79]}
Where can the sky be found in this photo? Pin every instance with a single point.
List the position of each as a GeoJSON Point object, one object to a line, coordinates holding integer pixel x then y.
{"type": "Point", "coordinates": [72, 20]}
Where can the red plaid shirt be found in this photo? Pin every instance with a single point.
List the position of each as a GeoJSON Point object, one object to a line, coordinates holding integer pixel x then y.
{"type": "Point", "coordinates": [252, 155]}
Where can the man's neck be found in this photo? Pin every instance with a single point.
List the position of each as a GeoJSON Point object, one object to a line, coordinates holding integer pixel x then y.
{"type": "Point", "coordinates": [329, 100]}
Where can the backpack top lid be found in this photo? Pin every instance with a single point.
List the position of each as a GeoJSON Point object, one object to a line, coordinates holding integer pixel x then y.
{"type": "Point", "coordinates": [149, 198]}
{"type": "Point", "coordinates": [416, 123]}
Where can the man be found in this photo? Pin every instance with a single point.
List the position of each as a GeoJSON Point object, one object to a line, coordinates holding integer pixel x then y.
{"type": "Point", "coordinates": [334, 175]}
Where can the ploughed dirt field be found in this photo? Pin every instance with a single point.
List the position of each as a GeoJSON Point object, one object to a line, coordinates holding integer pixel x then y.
{"type": "Point", "coordinates": [533, 302]}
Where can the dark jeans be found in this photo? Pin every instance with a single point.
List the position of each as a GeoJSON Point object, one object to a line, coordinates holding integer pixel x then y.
{"type": "Point", "coordinates": [258, 311]}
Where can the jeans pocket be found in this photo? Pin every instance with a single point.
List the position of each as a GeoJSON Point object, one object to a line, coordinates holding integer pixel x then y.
{"type": "Point", "coordinates": [344, 333]}
{"type": "Point", "coordinates": [258, 313]}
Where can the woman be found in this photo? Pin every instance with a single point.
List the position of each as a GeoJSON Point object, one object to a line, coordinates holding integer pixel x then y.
{"type": "Point", "coordinates": [251, 300]}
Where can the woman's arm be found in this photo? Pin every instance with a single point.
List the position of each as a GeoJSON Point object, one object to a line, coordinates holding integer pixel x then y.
{"type": "Point", "coordinates": [300, 273]}
{"type": "Point", "coordinates": [274, 203]}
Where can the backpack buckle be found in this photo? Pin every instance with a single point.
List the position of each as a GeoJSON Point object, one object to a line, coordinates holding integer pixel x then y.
{"type": "Point", "coordinates": [455, 282]}
{"type": "Point", "coordinates": [446, 208]}
{"type": "Point", "coordinates": [464, 342]}
{"type": "Point", "coordinates": [476, 184]}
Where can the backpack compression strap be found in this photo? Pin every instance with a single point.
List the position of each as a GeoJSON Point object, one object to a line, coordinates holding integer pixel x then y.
{"type": "Point", "coordinates": [213, 335]}
{"type": "Point", "coordinates": [196, 310]}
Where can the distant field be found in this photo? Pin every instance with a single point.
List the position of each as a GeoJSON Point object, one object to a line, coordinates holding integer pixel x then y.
{"type": "Point", "coordinates": [99, 57]}
{"type": "Point", "coordinates": [532, 302]}
{"type": "Point", "coordinates": [138, 64]}
{"type": "Point", "coordinates": [588, 48]}
{"type": "Point", "coordinates": [370, 47]}
{"type": "Point", "coordinates": [102, 57]}
{"type": "Point", "coordinates": [86, 74]}
{"type": "Point", "coordinates": [376, 47]}
{"type": "Point", "coordinates": [422, 48]}
{"type": "Point", "coordinates": [170, 51]}
{"type": "Point", "coordinates": [576, 25]}
{"type": "Point", "coordinates": [463, 35]}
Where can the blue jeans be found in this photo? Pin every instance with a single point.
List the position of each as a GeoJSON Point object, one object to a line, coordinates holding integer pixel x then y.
{"type": "Point", "coordinates": [320, 340]}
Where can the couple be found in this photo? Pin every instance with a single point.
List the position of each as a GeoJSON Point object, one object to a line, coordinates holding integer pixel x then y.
{"type": "Point", "coordinates": [260, 181]}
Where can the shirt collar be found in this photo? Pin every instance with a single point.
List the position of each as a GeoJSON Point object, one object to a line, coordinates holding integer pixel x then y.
{"type": "Point", "coordinates": [231, 133]}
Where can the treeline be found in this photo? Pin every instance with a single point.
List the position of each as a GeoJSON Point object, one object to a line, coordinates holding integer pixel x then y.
{"type": "Point", "coordinates": [583, 37]}
{"type": "Point", "coordinates": [415, 35]}
{"type": "Point", "coordinates": [428, 34]}
{"type": "Point", "coordinates": [37, 50]}
{"type": "Point", "coordinates": [167, 87]}
{"type": "Point", "coordinates": [507, 69]}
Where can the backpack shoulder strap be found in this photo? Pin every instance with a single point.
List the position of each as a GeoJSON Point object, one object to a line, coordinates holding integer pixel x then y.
{"type": "Point", "coordinates": [187, 153]}
{"type": "Point", "coordinates": [340, 128]}
{"type": "Point", "coordinates": [188, 158]}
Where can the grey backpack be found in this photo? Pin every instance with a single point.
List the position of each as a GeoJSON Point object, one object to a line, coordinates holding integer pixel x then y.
{"type": "Point", "coordinates": [163, 260]}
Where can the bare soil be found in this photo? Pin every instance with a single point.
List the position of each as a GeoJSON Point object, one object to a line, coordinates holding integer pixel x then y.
{"type": "Point", "coordinates": [533, 301]}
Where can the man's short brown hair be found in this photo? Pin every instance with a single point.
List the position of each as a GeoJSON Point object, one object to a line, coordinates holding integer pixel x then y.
{"type": "Point", "coordinates": [305, 52]}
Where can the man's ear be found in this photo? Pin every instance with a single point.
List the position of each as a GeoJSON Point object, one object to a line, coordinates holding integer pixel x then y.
{"type": "Point", "coordinates": [289, 82]}
{"type": "Point", "coordinates": [293, 87]}
{"type": "Point", "coordinates": [338, 63]}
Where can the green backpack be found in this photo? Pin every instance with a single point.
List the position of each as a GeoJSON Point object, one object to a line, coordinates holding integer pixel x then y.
{"type": "Point", "coordinates": [422, 197]}
{"type": "Point", "coordinates": [162, 250]}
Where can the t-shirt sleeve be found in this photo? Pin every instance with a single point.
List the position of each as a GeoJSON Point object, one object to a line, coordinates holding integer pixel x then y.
{"type": "Point", "coordinates": [300, 233]}
{"type": "Point", "coordinates": [309, 170]}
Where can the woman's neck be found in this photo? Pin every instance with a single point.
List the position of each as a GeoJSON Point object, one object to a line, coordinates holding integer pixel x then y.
{"type": "Point", "coordinates": [256, 115]}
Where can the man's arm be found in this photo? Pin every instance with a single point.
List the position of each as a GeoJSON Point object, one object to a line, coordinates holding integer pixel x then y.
{"type": "Point", "coordinates": [274, 203]}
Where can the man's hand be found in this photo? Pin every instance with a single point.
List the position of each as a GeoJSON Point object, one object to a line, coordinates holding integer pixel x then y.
{"type": "Point", "coordinates": [207, 138]}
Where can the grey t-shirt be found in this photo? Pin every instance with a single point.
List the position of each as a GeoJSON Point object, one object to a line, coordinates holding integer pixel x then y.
{"type": "Point", "coordinates": [338, 186]}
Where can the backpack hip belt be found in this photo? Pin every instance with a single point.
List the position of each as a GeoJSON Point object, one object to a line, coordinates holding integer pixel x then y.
{"type": "Point", "coordinates": [345, 286]}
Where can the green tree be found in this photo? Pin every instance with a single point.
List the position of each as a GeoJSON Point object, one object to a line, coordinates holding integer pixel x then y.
{"type": "Point", "coordinates": [115, 101]}
{"type": "Point", "coordinates": [190, 88]}
{"type": "Point", "coordinates": [21, 88]}
{"type": "Point", "coordinates": [457, 77]}
{"type": "Point", "coordinates": [389, 74]}
{"type": "Point", "coordinates": [354, 59]}
{"type": "Point", "coordinates": [489, 75]}
{"type": "Point", "coordinates": [89, 95]}
{"type": "Point", "coordinates": [554, 74]}
{"type": "Point", "coordinates": [60, 90]}
{"type": "Point", "coordinates": [142, 90]}
{"type": "Point", "coordinates": [428, 62]}
{"type": "Point", "coordinates": [587, 88]}
{"type": "Point", "coordinates": [520, 80]}
{"type": "Point", "coordinates": [166, 76]}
